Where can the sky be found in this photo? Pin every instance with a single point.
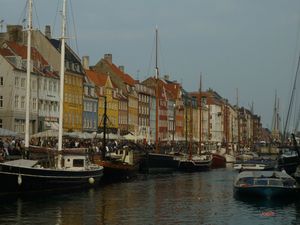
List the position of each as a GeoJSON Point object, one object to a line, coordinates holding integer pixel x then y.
{"type": "Point", "coordinates": [247, 45]}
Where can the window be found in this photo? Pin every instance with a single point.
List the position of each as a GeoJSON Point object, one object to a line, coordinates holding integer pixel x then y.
{"type": "Point", "coordinates": [50, 85]}
{"type": "Point", "coordinates": [1, 81]}
{"type": "Point", "coordinates": [17, 81]}
{"type": "Point", "coordinates": [40, 83]}
{"type": "Point", "coordinates": [17, 101]}
{"type": "Point", "coordinates": [1, 101]}
{"type": "Point", "coordinates": [40, 105]}
{"type": "Point", "coordinates": [19, 126]}
{"type": "Point", "coordinates": [1, 123]}
{"type": "Point", "coordinates": [22, 102]}
{"type": "Point", "coordinates": [23, 82]}
{"type": "Point", "coordinates": [33, 85]}
{"type": "Point", "coordinates": [45, 85]}
{"type": "Point", "coordinates": [54, 86]}
{"type": "Point", "coordinates": [78, 162]}
{"type": "Point", "coordinates": [34, 103]}
{"type": "Point", "coordinates": [55, 107]}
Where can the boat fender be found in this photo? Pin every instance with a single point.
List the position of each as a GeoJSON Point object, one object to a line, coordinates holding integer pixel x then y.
{"type": "Point", "coordinates": [91, 180]}
{"type": "Point", "coordinates": [19, 179]}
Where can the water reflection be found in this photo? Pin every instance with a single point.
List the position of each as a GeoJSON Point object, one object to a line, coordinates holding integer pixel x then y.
{"type": "Point", "coordinates": [196, 198]}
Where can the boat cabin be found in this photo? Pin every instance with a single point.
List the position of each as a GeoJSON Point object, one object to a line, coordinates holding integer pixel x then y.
{"type": "Point", "coordinates": [266, 178]}
{"type": "Point", "coordinates": [74, 162]}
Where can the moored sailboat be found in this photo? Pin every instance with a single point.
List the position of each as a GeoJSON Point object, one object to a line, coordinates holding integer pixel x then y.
{"type": "Point", "coordinates": [123, 162]}
{"type": "Point", "coordinates": [190, 162]}
{"type": "Point", "coordinates": [68, 171]}
{"type": "Point", "coordinates": [157, 161]}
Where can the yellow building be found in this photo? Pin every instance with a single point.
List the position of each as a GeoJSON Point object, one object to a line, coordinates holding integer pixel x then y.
{"type": "Point", "coordinates": [73, 89]}
{"type": "Point", "coordinates": [126, 83]}
{"type": "Point", "coordinates": [105, 88]}
{"type": "Point", "coordinates": [73, 98]}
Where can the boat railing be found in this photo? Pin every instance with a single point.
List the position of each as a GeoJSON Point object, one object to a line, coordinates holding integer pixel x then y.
{"type": "Point", "coordinates": [266, 182]}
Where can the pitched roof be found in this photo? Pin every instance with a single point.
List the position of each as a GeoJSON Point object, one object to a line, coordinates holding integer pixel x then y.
{"type": "Point", "coordinates": [5, 52]}
{"type": "Point", "coordinates": [10, 48]}
{"type": "Point", "coordinates": [98, 78]}
{"type": "Point", "coordinates": [124, 76]}
{"type": "Point", "coordinates": [21, 50]}
{"type": "Point", "coordinates": [70, 56]}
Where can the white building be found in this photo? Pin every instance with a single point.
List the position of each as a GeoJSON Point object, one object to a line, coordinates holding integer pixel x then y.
{"type": "Point", "coordinates": [13, 89]}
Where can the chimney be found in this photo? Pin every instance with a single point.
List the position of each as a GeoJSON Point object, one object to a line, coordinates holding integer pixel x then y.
{"type": "Point", "coordinates": [122, 68]}
{"type": "Point", "coordinates": [167, 77]}
{"type": "Point", "coordinates": [15, 33]}
{"type": "Point", "coordinates": [85, 62]}
{"type": "Point", "coordinates": [108, 57]}
{"type": "Point", "coordinates": [48, 31]}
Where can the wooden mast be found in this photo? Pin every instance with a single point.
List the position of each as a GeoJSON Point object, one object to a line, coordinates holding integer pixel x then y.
{"type": "Point", "coordinates": [200, 115]}
{"type": "Point", "coordinates": [226, 126]}
{"type": "Point", "coordinates": [191, 130]}
{"type": "Point", "coordinates": [156, 93]}
{"type": "Point", "coordinates": [104, 129]}
{"type": "Point", "coordinates": [27, 119]}
{"type": "Point", "coordinates": [62, 74]}
{"type": "Point", "coordinates": [238, 118]}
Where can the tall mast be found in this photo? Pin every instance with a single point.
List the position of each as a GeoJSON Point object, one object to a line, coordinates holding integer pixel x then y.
{"type": "Point", "coordinates": [191, 129]}
{"type": "Point", "coordinates": [275, 119]}
{"type": "Point", "coordinates": [156, 91]}
{"type": "Point", "coordinates": [238, 118]}
{"type": "Point", "coordinates": [291, 102]}
{"type": "Point", "coordinates": [104, 128]}
{"type": "Point", "coordinates": [226, 125]}
{"type": "Point", "coordinates": [27, 119]}
{"type": "Point", "coordinates": [62, 74]}
{"type": "Point", "coordinates": [200, 114]}
{"type": "Point", "coordinates": [275, 112]}
{"type": "Point", "coordinates": [156, 54]}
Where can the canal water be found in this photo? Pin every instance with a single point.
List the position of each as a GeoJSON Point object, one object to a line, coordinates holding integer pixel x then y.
{"type": "Point", "coordinates": [177, 198]}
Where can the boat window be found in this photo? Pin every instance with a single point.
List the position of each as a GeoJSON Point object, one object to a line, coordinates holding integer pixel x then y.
{"type": "Point", "coordinates": [246, 180]}
{"type": "Point", "coordinates": [275, 182]}
{"type": "Point", "coordinates": [261, 182]}
{"type": "Point", "coordinates": [78, 162]}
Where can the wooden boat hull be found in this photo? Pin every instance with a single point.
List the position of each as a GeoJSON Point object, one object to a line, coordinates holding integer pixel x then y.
{"type": "Point", "coordinates": [20, 179]}
{"type": "Point", "coordinates": [114, 170]}
{"type": "Point", "coordinates": [218, 161]}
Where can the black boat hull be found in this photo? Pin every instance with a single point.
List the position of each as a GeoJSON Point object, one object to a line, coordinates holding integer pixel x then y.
{"type": "Point", "coordinates": [155, 162]}
{"type": "Point", "coordinates": [21, 179]}
{"type": "Point", "coordinates": [192, 166]}
{"type": "Point", "coordinates": [266, 192]}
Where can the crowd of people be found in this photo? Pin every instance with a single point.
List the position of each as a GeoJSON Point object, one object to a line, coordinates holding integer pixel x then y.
{"type": "Point", "coordinates": [11, 146]}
